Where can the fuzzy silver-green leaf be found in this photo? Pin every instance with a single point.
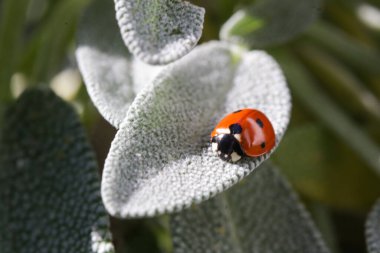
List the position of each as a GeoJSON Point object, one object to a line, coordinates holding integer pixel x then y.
{"type": "Point", "coordinates": [161, 31]}
{"type": "Point", "coordinates": [49, 188]}
{"type": "Point", "coordinates": [269, 22]}
{"type": "Point", "coordinates": [260, 214]}
{"type": "Point", "coordinates": [105, 62]}
{"type": "Point", "coordinates": [111, 75]}
{"type": "Point", "coordinates": [160, 160]}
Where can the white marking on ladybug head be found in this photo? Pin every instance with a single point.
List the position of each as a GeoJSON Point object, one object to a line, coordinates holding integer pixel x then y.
{"type": "Point", "coordinates": [238, 137]}
{"type": "Point", "coordinates": [223, 131]}
{"type": "Point", "coordinates": [214, 146]}
{"type": "Point", "coordinates": [235, 157]}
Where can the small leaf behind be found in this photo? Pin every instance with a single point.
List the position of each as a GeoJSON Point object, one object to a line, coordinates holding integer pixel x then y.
{"type": "Point", "coordinates": [269, 22]}
{"type": "Point", "coordinates": [260, 214]}
{"type": "Point", "coordinates": [112, 76]}
{"type": "Point", "coordinates": [105, 62]}
{"type": "Point", "coordinates": [49, 189]}
{"type": "Point", "coordinates": [160, 31]}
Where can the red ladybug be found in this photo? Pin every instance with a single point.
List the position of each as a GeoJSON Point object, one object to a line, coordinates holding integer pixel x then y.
{"type": "Point", "coordinates": [243, 132]}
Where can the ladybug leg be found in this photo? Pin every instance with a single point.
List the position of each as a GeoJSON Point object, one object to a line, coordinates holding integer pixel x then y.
{"type": "Point", "coordinates": [214, 143]}
{"type": "Point", "coordinates": [238, 152]}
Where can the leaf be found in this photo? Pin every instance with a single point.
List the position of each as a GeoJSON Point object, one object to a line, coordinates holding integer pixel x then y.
{"type": "Point", "coordinates": [143, 74]}
{"type": "Point", "coordinates": [160, 160]}
{"type": "Point", "coordinates": [270, 22]}
{"type": "Point", "coordinates": [111, 76]}
{"type": "Point", "coordinates": [161, 31]}
{"type": "Point", "coordinates": [260, 214]}
{"type": "Point", "coordinates": [49, 189]}
{"type": "Point", "coordinates": [104, 62]}
{"type": "Point", "coordinates": [373, 229]}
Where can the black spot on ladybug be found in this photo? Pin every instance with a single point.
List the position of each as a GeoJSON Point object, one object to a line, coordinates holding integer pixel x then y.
{"type": "Point", "coordinates": [260, 123]}
{"type": "Point", "coordinates": [235, 129]}
{"type": "Point", "coordinates": [237, 111]}
{"type": "Point", "coordinates": [262, 145]}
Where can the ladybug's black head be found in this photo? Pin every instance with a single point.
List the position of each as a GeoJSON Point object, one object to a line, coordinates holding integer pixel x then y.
{"type": "Point", "coordinates": [227, 145]}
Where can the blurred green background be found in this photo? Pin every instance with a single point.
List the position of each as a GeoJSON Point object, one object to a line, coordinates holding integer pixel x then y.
{"type": "Point", "coordinates": [331, 152]}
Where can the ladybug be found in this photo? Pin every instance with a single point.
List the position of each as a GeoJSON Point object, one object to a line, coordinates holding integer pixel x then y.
{"type": "Point", "coordinates": [245, 132]}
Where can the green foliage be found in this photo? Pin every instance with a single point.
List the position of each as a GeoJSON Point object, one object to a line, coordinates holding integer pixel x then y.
{"type": "Point", "coordinates": [343, 85]}
{"type": "Point", "coordinates": [10, 33]}
{"type": "Point", "coordinates": [365, 59]}
{"type": "Point", "coordinates": [323, 163]}
{"type": "Point", "coordinates": [48, 45]}
{"type": "Point", "coordinates": [327, 111]}
{"type": "Point", "coordinates": [34, 39]}
{"type": "Point", "coordinates": [165, 114]}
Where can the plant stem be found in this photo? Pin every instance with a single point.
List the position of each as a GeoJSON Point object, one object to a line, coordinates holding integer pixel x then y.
{"type": "Point", "coordinates": [343, 84]}
{"type": "Point", "coordinates": [351, 52]}
{"type": "Point", "coordinates": [343, 13]}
